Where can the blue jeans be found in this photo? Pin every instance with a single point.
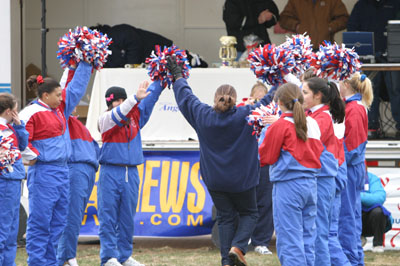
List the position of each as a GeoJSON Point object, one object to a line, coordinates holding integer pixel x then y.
{"type": "Point", "coordinates": [391, 79]}
{"type": "Point", "coordinates": [237, 216]}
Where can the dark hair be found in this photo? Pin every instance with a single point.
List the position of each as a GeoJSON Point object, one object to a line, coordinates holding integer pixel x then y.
{"type": "Point", "coordinates": [225, 98]}
{"type": "Point", "coordinates": [309, 73]}
{"type": "Point", "coordinates": [7, 101]}
{"type": "Point", "coordinates": [48, 85]}
{"type": "Point", "coordinates": [291, 97]}
{"type": "Point", "coordinates": [330, 95]}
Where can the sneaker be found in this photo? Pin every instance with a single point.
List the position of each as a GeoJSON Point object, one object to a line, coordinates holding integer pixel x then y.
{"type": "Point", "coordinates": [263, 250]}
{"type": "Point", "coordinates": [237, 257]}
{"type": "Point", "coordinates": [132, 262]}
{"type": "Point", "coordinates": [112, 262]}
{"type": "Point", "coordinates": [378, 249]}
{"type": "Point", "coordinates": [363, 241]}
{"type": "Point", "coordinates": [71, 262]}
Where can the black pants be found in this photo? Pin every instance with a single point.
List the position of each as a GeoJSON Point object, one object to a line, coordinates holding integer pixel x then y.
{"type": "Point", "coordinates": [265, 225]}
{"type": "Point", "coordinates": [237, 216]}
{"type": "Point", "coordinates": [374, 224]}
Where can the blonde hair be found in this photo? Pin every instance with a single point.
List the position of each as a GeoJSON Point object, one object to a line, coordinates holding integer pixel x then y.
{"type": "Point", "coordinates": [258, 85]}
{"type": "Point", "coordinates": [364, 87]}
{"type": "Point", "coordinates": [224, 98]}
{"type": "Point", "coordinates": [291, 97]}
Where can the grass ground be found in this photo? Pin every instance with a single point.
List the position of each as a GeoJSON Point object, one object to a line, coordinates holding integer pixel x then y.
{"type": "Point", "coordinates": [194, 252]}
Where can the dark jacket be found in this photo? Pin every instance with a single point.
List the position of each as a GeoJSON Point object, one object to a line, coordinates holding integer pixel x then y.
{"type": "Point", "coordinates": [237, 12]}
{"type": "Point", "coordinates": [228, 149]}
{"type": "Point", "coordinates": [130, 45]}
{"type": "Point", "coordinates": [320, 20]}
{"type": "Point", "coordinates": [372, 15]}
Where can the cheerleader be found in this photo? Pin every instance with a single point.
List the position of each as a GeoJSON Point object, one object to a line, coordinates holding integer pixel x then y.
{"type": "Point", "coordinates": [48, 152]}
{"type": "Point", "coordinates": [323, 102]}
{"type": "Point", "coordinates": [292, 148]}
{"type": "Point", "coordinates": [120, 154]}
{"type": "Point", "coordinates": [10, 178]}
{"type": "Point", "coordinates": [357, 92]}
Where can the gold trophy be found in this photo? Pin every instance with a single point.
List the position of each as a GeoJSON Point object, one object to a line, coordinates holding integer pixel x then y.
{"type": "Point", "coordinates": [227, 51]}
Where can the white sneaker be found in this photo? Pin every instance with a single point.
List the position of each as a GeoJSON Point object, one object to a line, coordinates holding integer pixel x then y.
{"type": "Point", "coordinates": [378, 249]}
{"type": "Point", "coordinates": [71, 262]}
{"type": "Point", "coordinates": [112, 262]}
{"type": "Point", "coordinates": [262, 250]}
{"type": "Point", "coordinates": [132, 262]}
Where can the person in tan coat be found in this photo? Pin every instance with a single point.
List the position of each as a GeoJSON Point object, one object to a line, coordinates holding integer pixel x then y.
{"type": "Point", "coordinates": [321, 19]}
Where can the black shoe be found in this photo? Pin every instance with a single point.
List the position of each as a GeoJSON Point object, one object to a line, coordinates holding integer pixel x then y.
{"type": "Point", "coordinates": [374, 134]}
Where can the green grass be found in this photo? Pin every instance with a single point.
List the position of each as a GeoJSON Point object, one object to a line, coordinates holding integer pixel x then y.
{"type": "Point", "coordinates": [152, 254]}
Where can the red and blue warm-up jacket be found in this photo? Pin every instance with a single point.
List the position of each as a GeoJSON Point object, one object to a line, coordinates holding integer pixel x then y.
{"type": "Point", "coordinates": [120, 129]}
{"type": "Point", "coordinates": [329, 157]}
{"type": "Point", "coordinates": [84, 148]}
{"type": "Point", "coordinates": [49, 140]}
{"type": "Point", "coordinates": [356, 132]}
{"type": "Point", "coordinates": [20, 139]}
{"type": "Point", "coordinates": [288, 156]}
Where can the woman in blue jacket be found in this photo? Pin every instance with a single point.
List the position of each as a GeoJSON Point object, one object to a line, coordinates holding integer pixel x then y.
{"type": "Point", "coordinates": [48, 152]}
{"type": "Point", "coordinates": [10, 180]}
{"type": "Point", "coordinates": [376, 219]}
{"type": "Point", "coordinates": [229, 162]}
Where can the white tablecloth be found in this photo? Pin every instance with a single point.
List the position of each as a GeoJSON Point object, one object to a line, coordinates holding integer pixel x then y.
{"type": "Point", "coordinates": [166, 122]}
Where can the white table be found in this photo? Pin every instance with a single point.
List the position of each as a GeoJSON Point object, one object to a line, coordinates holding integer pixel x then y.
{"type": "Point", "coordinates": [166, 122]}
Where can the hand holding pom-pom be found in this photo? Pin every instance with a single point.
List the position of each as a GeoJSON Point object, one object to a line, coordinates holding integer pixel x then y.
{"type": "Point", "coordinates": [83, 44]}
{"type": "Point", "coordinates": [174, 68]}
{"type": "Point", "coordinates": [158, 68]}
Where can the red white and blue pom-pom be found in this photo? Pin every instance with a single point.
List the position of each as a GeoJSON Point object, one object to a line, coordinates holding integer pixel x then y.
{"type": "Point", "coordinates": [8, 154]}
{"type": "Point", "coordinates": [83, 44]}
{"type": "Point", "coordinates": [301, 48]}
{"type": "Point", "coordinates": [335, 62]}
{"type": "Point", "coordinates": [157, 68]}
{"type": "Point", "coordinates": [271, 63]}
{"type": "Point", "coordinates": [255, 118]}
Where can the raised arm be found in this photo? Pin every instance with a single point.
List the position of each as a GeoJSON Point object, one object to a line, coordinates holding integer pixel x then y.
{"type": "Point", "coordinates": [76, 88]}
{"type": "Point", "coordinates": [147, 104]}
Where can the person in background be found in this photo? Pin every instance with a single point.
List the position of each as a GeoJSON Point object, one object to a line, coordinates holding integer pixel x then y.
{"type": "Point", "coordinates": [320, 19]}
{"type": "Point", "coordinates": [120, 154]}
{"type": "Point", "coordinates": [373, 15]}
{"type": "Point", "coordinates": [357, 92]}
{"type": "Point", "coordinates": [83, 164]}
{"type": "Point", "coordinates": [10, 181]}
{"type": "Point", "coordinates": [376, 219]}
{"type": "Point", "coordinates": [265, 226]}
{"type": "Point", "coordinates": [245, 17]}
{"type": "Point", "coordinates": [47, 154]}
{"type": "Point", "coordinates": [292, 148]}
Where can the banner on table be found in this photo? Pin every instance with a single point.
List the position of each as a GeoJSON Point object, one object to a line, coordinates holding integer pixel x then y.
{"type": "Point", "coordinates": [173, 200]}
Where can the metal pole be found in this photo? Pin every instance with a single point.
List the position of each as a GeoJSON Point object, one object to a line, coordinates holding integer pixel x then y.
{"type": "Point", "coordinates": [44, 31]}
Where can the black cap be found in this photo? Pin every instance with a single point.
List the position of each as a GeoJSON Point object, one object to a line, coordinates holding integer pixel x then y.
{"type": "Point", "coordinates": [115, 93]}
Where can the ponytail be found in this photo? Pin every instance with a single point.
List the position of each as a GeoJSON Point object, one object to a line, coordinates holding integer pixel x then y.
{"type": "Point", "coordinates": [330, 95]}
{"type": "Point", "coordinates": [224, 98]}
{"type": "Point", "coordinates": [360, 83]}
{"type": "Point", "coordinates": [40, 85]}
{"type": "Point", "coordinates": [291, 97]}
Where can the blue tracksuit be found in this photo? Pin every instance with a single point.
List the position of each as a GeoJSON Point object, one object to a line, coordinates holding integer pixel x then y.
{"type": "Point", "coordinates": [118, 184]}
{"type": "Point", "coordinates": [294, 166]}
{"type": "Point", "coordinates": [10, 194]}
{"type": "Point", "coordinates": [355, 141]}
{"type": "Point", "coordinates": [325, 182]}
{"type": "Point", "coordinates": [83, 165]}
{"type": "Point", "coordinates": [48, 180]}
